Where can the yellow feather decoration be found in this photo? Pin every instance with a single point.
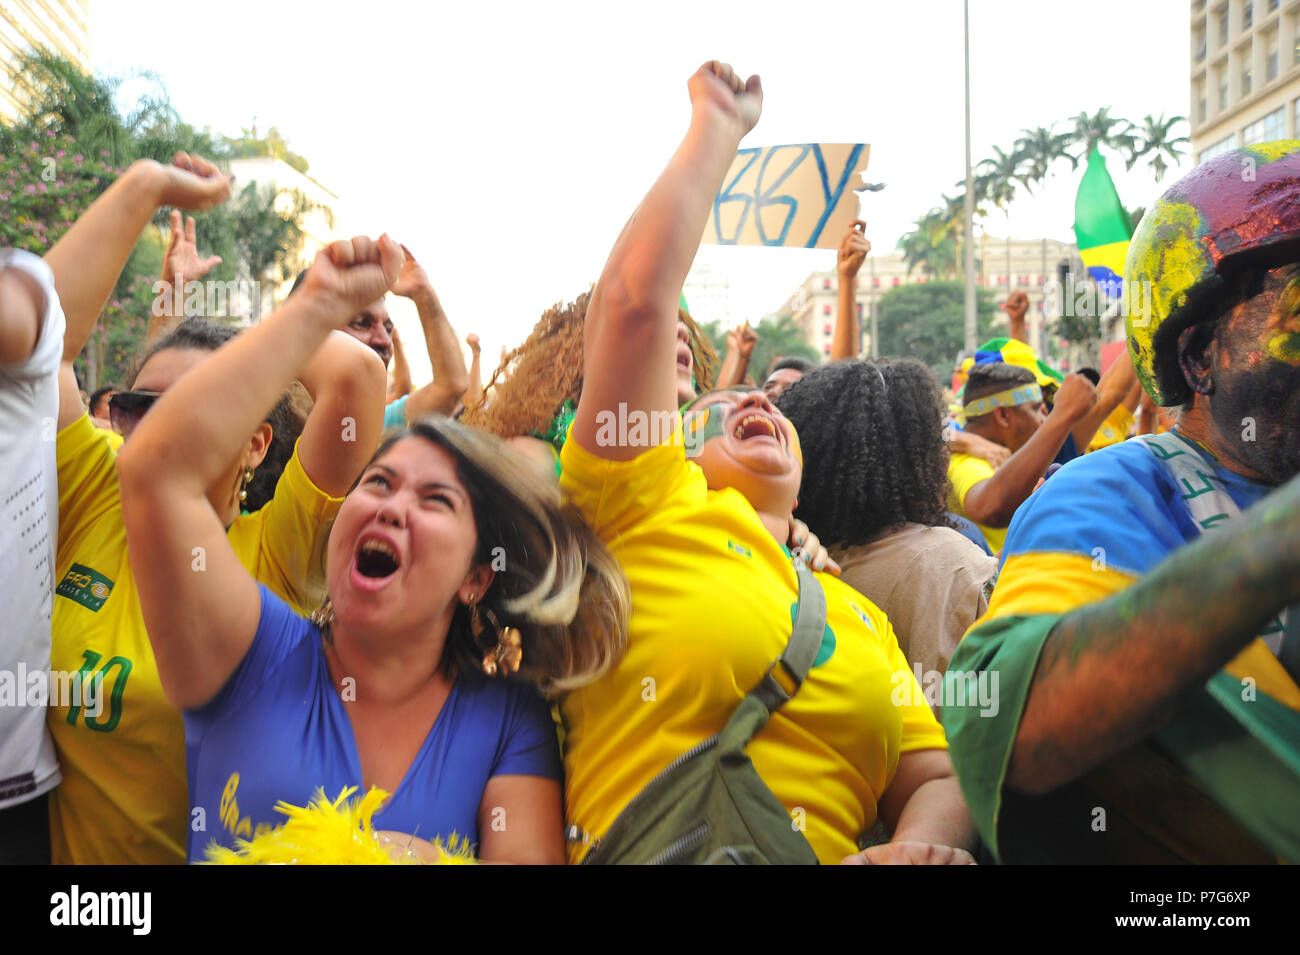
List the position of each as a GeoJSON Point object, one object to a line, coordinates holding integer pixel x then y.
{"type": "Point", "coordinates": [338, 832]}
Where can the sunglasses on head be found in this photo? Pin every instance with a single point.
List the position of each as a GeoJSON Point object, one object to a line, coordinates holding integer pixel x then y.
{"type": "Point", "coordinates": [126, 408]}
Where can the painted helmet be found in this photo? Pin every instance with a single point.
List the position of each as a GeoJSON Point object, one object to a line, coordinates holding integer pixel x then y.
{"type": "Point", "coordinates": [1239, 211]}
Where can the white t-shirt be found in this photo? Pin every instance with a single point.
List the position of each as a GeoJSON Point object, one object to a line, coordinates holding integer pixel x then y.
{"type": "Point", "coordinates": [29, 512]}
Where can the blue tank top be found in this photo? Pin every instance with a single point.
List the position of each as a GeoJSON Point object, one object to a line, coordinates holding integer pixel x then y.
{"type": "Point", "coordinates": [278, 730]}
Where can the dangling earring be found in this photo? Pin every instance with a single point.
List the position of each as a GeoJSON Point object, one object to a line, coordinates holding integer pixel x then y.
{"type": "Point", "coordinates": [323, 615]}
{"type": "Point", "coordinates": [508, 654]}
{"type": "Point", "coordinates": [243, 488]}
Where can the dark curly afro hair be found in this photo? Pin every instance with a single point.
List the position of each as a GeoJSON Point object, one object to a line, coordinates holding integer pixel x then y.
{"type": "Point", "coordinates": [873, 449]}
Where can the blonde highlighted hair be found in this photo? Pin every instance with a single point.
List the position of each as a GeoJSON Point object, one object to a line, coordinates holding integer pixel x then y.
{"type": "Point", "coordinates": [559, 586]}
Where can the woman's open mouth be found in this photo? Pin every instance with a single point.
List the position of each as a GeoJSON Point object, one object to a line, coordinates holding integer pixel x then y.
{"type": "Point", "coordinates": [756, 426]}
{"type": "Point", "coordinates": [376, 561]}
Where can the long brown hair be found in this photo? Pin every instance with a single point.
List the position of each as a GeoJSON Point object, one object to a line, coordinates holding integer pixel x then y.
{"type": "Point", "coordinates": [555, 581]}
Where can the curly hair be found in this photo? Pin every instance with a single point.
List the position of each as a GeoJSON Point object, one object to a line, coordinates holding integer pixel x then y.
{"type": "Point", "coordinates": [535, 379]}
{"type": "Point", "coordinates": [873, 449]}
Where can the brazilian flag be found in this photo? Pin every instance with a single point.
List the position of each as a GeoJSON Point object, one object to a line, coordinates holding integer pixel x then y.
{"type": "Point", "coordinates": [1101, 226]}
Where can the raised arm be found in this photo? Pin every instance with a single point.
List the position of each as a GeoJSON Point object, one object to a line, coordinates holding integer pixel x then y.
{"type": "Point", "coordinates": [181, 264]}
{"type": "Point", "coordinates": [994, 500]}
{"type": "Point", "coordinates": [474, 393]}
{"type": "Point", "coordinates": [449, 376]}
{"type": "Point", "coordinates": [853, 252]}
{"type": "Point", "coordinates": [88, 259]}
{"type": "Point", "coordinates": [1016, 305]}
{"type": "Point", "coordinates": [740, 349]}
{"type": "Point", "coordinates": [1112, 390]}
{"type": "Point", "coordinates": [401, 368]}
{"type": "Point", "coordinates": [631, 334]}
{"type": "Point", "coordinates": [200, 606]}
{"type": "Point", "coordinates": [1113, 672]}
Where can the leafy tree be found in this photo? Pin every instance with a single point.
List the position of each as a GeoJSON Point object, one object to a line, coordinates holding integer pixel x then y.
{"type": "Point", "coordinates": [778, 338]}
{"type": "Point", "coordinates": [249, 144]}
{"type": "Point", "coordinates": [927, 322]}
{"type": "Point", "coordinates": [1041, 148]}
{"type": "Point", "coordinates": [1157, 141]}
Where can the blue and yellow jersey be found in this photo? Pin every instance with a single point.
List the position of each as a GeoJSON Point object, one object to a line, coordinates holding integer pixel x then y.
{"type": "Point", "coordinates": [124, 797]}
{"type": "Point", "coordinates": [1091, 531]}
{"type": "Point", "coordinates": [1113, 430]}
{"type": "Point", "coordinates": [713, 603]}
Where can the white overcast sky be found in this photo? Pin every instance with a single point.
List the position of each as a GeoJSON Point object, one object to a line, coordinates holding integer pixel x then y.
{"type": "Point", "coordinates": [506, 143]}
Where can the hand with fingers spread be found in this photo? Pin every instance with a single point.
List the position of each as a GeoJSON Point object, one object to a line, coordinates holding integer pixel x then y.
{"type": "Point", "coordinates": [853, 250]}
{"type": "Point", "coordinates": [414, 281]}
{"type": "Point", "coordinates": [351, 273]}
{"type": "Point", "coordinates": [182, 264]}
{"type": "Point", "coordinates": [718, 88]}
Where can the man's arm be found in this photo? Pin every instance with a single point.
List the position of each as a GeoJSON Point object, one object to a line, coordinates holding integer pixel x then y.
{"type": "Point", "coordinates": [1113, 672]}
{"type": "Point", "coordinates": [88, 259]}
{"type": "Point", "coordinates": [853, 252]}
{"type": "Point", "coordinates": [401, 369]}
{"type": "Point", "coordinates": [1016, 305]}
{"type": "Point", "coordinates": [450, 379]}
{"type": "Point", "coordinates": [993, 501]}
{"type": "Point", "coordinates": [474, 393]}
{"type": "Point", "coordinates": [1112, 389]}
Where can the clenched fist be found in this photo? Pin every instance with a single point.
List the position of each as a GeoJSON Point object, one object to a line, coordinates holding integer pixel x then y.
{"type": "Point", "coordinates": [717, 88]}
{"type": "Point", "coordinates": [350, 274]}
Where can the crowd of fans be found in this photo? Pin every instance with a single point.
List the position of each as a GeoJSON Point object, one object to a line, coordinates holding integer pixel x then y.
{"type": "Point", "coordinates": [515, 602]}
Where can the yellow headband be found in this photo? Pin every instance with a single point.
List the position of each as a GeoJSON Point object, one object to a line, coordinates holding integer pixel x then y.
{"type": "Point", "coordinates": [1002, 399]}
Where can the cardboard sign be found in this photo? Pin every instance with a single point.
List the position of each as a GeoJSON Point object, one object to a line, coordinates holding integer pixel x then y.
{"type": "Point", "coordinates": [801, 196]}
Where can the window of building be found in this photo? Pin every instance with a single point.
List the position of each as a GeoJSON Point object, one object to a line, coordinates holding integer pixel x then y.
{"type": "Point", "coordinates": [826, 283]}
{"type": "Point", "coordinates": [1200, 110]}
{"type": "Point", "coordinates": [1246, 75]}
{"type": "Point", "coordinates": [1247, 15]}
{"type": "Point", "coordinates": [1217, 149]}
{"type": "Point", "coordinates": [826, 309]}
{"type": "Point", "coordinates": [1223, 93]}
{"type": "Point", "coordinates": [1223, 26]}
{"type": "Point", "coordinates": [896, 282]}
{"type": "Point", "coordinates": [826, 329]}
{"type": "Point", "coordinates": [1198, 41]}
{"type": "Point", "coordinates": [1270, 57]}
{"type": "Point", "coordinates": [875, 283]}
{"type": "Point", "coordinates": [1267, 129]}
{"type": "Point", "coordinates": [1273, 5]}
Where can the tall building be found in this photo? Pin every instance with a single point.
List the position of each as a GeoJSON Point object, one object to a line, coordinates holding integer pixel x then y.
{"type": "Point", "coordinates": [61, 25]}
{"type": "Point", "coordinates": [1006, 266]}
{"type": "Point", "coordinates": [708, 295]}
{"type": "Point", "coordinates": [1245, 73]}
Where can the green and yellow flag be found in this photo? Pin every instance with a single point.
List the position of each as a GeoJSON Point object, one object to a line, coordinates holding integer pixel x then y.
{"type": "Point", "coordinates": [1101, 226]}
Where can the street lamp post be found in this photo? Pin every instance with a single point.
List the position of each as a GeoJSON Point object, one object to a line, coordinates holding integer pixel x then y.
{"type": "Point", "coordinates": [969, 204]}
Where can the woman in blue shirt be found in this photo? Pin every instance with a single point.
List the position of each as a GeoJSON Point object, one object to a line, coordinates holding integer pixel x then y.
{"type": "Point", "coordinates": [444, 554]}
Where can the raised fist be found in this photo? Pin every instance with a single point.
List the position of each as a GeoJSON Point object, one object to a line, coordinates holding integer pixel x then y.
{"type": "Point", "coordinates": [853, 250]}
{"type": "Point", "coordinates": [350, 274]}
{"type": "Point", "coordinates": [1016, 305]}
{"type": "Point", "coordinates": [718, 89]}
{"type": "Point", "coordinates": [1075, 397]}
{"type": "Point", "coordinates": [190, 182]}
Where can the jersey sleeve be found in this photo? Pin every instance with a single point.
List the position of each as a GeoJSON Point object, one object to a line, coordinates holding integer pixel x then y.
{"type": "Point", "coordinates": [395, 413]}
{"type": "Point", "coordinates": [617, 496]}
{"type": "Point", "coordinates": [964, 472]}
{"type": "Point", "coordinates": [279, 631]}
{"type": "Point", "coordinates": [288, 537]}
{"type": "Point", "coordinates": [87, 469]}
{"type": "Point", "coordinates": [530, 746]}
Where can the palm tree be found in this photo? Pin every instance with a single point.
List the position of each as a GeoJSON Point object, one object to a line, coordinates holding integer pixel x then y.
{"type": "Point", "coordinates": [1157, 142]}
{"type": "Point", "coordinates": [779, 338]}
{"type": "Point", "coordinates": [1002, 171]}
{"type": "Point", "coordinates": [1102, 129]}
{"type": "Point", "coordinates": [1040, 148]}
{"type": "Point", "coordinates": [931, 246]}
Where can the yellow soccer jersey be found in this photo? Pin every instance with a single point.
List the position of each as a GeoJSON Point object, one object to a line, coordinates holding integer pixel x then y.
{"type": "Point", "coordinates": [1114, 429]}
{"type": "Point", "coordinates": [713, 600]}
{"type": "Point", "coordinates": [124, 797]}
{"type": "Point", "coordinates": [964, 472]}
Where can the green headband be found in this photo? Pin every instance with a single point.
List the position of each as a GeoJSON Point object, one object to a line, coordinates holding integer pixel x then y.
{"type": "Point", "coordinates": [1002, 399]}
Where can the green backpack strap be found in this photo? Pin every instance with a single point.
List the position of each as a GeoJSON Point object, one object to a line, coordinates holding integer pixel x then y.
{"type": "Point", "coordinates": [768, 695]}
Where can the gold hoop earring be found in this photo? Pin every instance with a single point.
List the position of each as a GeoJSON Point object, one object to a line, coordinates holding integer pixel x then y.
{"type": "Point", "coordinates": [504, 658]}
{"type": "Point", "coordinates": [243, 488]}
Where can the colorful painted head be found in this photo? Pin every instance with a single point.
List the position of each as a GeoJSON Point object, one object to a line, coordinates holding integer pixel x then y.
{"type": "Point", "coordinates": [1239, 211]}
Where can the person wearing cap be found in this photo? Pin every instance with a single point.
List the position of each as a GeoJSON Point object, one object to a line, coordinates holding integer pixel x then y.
{"type": "Point", "coordinates": [1147, 659]}
{"type": "Point", "coordinates": [1004, 404]}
